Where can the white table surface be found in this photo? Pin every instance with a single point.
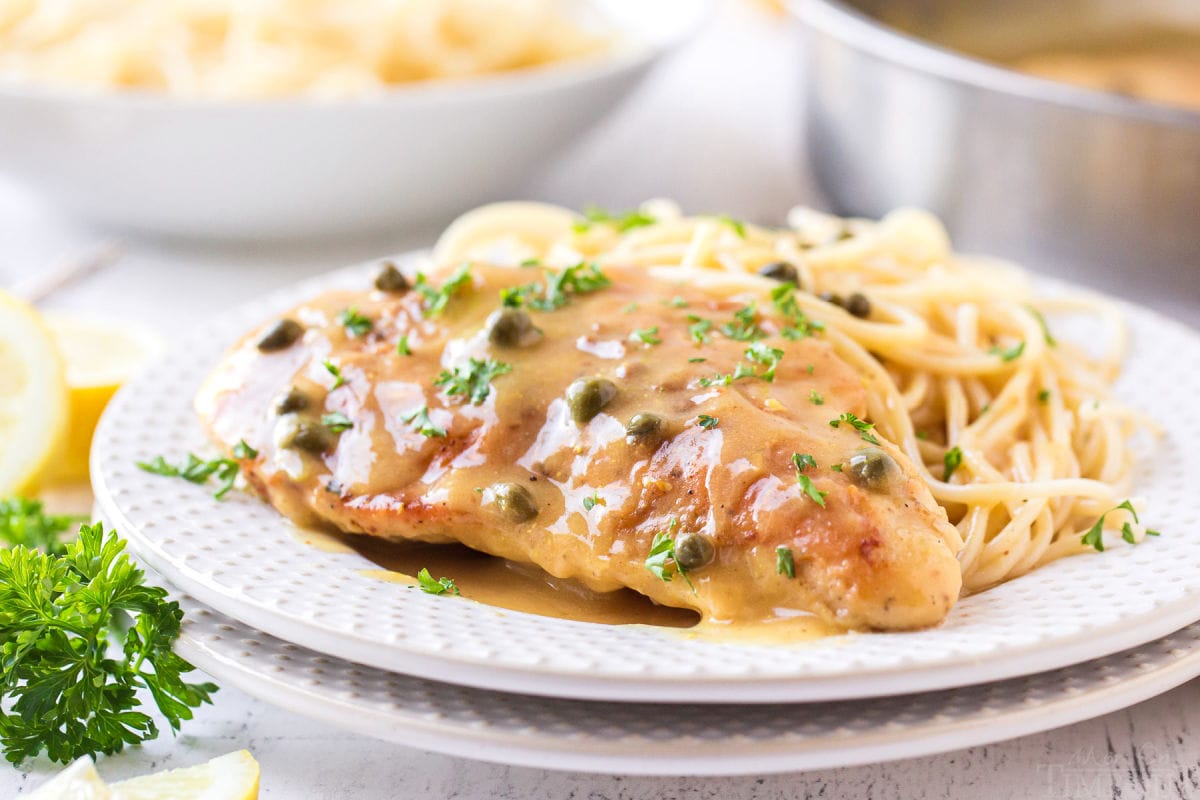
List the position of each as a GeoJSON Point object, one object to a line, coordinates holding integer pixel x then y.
{"type": "Point", "coordinates": [718, 129]}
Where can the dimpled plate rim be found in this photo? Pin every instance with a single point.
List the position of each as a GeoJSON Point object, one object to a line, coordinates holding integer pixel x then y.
{"type": "Point", "coordinates": [645, 739]}
{"type": "Point", "coordinates": [241, 558]}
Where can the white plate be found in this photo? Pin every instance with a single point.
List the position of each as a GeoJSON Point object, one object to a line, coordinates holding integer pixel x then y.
{"type": "Point", "coordinates": [241, 558]}
{"type": "Point", "coordinates": [644, 739]}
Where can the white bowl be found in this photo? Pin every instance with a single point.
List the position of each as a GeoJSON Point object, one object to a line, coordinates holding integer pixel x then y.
{"type": "Point", "coordinates": [305, 168]}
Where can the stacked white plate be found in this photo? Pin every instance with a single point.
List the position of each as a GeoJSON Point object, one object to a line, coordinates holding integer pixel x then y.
{"type": "Point", "coordinates": [309, 630]}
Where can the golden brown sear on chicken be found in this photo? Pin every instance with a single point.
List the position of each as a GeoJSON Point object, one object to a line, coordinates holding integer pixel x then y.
{"type": "Point", "coordinates": [608, 426]}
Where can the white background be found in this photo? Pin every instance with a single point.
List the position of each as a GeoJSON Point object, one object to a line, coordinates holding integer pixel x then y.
{"type": "Point", "coordinates": [717, 128]}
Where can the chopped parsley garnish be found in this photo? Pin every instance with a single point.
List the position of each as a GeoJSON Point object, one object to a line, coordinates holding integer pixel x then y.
{"type": "Point", "coordinates": [355, 323]}
{"type": "Point", "coordinates": [699, 328]}
{"type": "Point", "coordinates": [815, 398]}
{"type": "Point", "coordinates": [809, 369]}
{"type": "Point", "coordinates": [738, 226]}
{"type": "Point", "coordinates": [629, 309]}
{"type": "Point", "coordinates": [402, 347]}
{"type": "Point", "coordinates": [707, 422]}
{"type": "Point", "coordinates": [436, 299]}
{"type": "Point", "coordinates": [743, 327]}
{"type": "Point", "coordinates": [802, 461]}
{"type": "Point", "coordinates": [1041, 320]}
{"type": "Point", "coordinates": [676, 302]}
{"type": "Point", "coordinates": [622, 221]}
{"type": "Point", "coordinates": [661, 561]}
{"type": "Point", "coordinates": [648, 336]}
{"type": "Point", "coordinates": [419, 419]}
{"type": "Point", "coordinates": [785, 562]}
{"type": "Point", "coordinates": [1095, 534]}
{"type": "Point", "coordinates": [593, 500]}
{"type": "Point", "coordinates": [85, 643]}
{"type": "Point", "coordinates": [836, 467]}
{"type": "Point", "coordinates": [783, 297]}
{"type": "Point", "coordinates": [697, 360]}
{"type": "Point", "coordinates": [862, 426]}
{"type": "Point", "coordinates": [1011, 354]}
{"type": "Point", "coordinates": [1043, 396]}
{"type": "Point", "coordinates": [474, 380]}
{"type": "Point", "coordinates": [24, 523]}
{"type": "Point", "coordinates": [952, 461]}
{"type": "Point", "coordinates": [580, 278]}
{"type": "Point", "coordinates": [766, 356]}
{"type": "Point", "coordinates": [197, 470]}
{"type": "Point", "coordinates": [335, 371]}
{"type": "Point", "coordinates": [336, 421]}
{"type": "Point", "coordinates": [430, 585]}
{"type": "Point", "coordinates": [922, 435]}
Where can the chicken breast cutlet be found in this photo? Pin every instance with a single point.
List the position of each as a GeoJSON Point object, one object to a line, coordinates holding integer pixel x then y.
{"type": "Point", "coordinates": [611, 427]}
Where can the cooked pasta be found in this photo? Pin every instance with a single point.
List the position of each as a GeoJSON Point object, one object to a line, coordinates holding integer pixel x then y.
{"type": "Point", "coordinates": [270, 48]}
{"type": "Point", "coordinates": [1015, 431]}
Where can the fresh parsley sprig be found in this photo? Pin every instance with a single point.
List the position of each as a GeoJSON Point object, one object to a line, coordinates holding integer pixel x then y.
{"type": "Point", "coordinates": [437, 298]}
{"type": "Point", "coordinates": [951, 461]}
{"type": "Point", "coordinates": [802, 461]}
{"type": "Point", "coordinates": [431, 585]}
{"type": "Point", "coordinates": [197, 470]}
{"type": "Point", "coordinates": [81, 634]}
{"type": "Point", "coordinates": [419, 419]}
{"type": "Point", "coordinates": [621, 220]}
{"type": "Point", "coordinates": [785, 562]}
{"type": "Point", "coordinates": [355, 323]}
{"type": "Point", "coordinates": [24, 522]}
{"type": "Point", "coordinates": [661, 560]}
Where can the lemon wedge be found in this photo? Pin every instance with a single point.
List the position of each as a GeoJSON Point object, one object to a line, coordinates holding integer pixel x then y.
{"type": "Point", "coordinates": [99, 355]}
{"type": "Point", "coordinates": [79, 781]}
{"type": "Point", "coordinates": [230, 777]}
{"type": "Point", "coordinates": [33, 397]}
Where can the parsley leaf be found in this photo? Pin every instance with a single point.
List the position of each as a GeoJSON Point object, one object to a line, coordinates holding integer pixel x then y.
{"type": "Point", "coordinates": [419, 419]}
{"type": "Point", "coordinates": [336, 372]}
{"type": "Point", "coordinates": [1095, 534]}
{"type": "Point", "coordinates": [952, 461]}
{"type": "Point", "coordinates": [437, 299]}
{"type": "Point", "coordinates": [1011, 354]}
{"type": "Point", "coordinates": [785, 562]}
{"type": "Point", "coordinates": [593, 500]}
{"type": "Point", "coordinates": [699, 328]}
{"type": "Point", "coordinates": [744, 328]}
{"type": "Point", "coordinates": [1043, 396]}
{"type": "Point", "coordinates": [429, 585]}
{"type": "Point", "coordinates": [1041, 320]}
{"type": "Point", "coordinates": [402, 346]}
{"type": "Point", "coordinates": [815, 398]}
{"type": "Point", "coordinates": [738, 226]}
{"type": "Point", "coordinates": [862, 426]}
{"type": "Point", "coordinates": [802, 461]}
{"type": "Point", "coordinates": [197, 470]}
{"type": "Point", "coordinates": [622, 221]}
{"type": "Point", "coordinates": [355, 323]}
{"type": "Point", "coordinates": [24, 523]}
{"type": "Point", "coordinates": [473, 380]}
{"type": "Point", "coordinates": [647, 336]}
{"type": "Point", "coordinates": [783, 297]}
{"type": "Point", "coordinates": [697, 360]}
{"type": "Point", "coordinates": [581, 278]}
{"type": "Point", "coordinates": [336, 421]}
{"type": "Point", "coordinates": [764, 355]}
{"type": "Point", "coordinates": [81, 636]}
{"type": "Point", "coordinates": [707, 422]}
{"type": "Point", "coordinates": [661, 560]}
{"type": "Point", "coordinates": [676, 302]}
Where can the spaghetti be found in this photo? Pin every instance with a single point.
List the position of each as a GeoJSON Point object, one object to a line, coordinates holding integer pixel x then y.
{"type": "Point", "coordinates": [1016, 432]}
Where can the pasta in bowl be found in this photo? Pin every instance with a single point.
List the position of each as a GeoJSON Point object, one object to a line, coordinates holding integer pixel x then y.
{"type": "Point", "coordinates": [300, 119]}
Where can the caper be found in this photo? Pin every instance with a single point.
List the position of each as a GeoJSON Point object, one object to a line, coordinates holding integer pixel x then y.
{"type": "Point", "coordinates": [858, 305]}
{"type": "Point", "coordinates": [283, 333]}
{"type": "Point", "coordinates": [693, 550]}
{"type": "Point", "coordinates": [292, 399]}
{"type": "Point", "coordinates": [511, 327]}
{"type": "Point", "coordinates": [644, 426]}
{"type": "Point", "coordinates": [304, 434]}
{"type": "Point", "coordinates": [391, 279]}
{"type": "Point", "coordinates": [587, 396]}
{"type": "Point", "coordinates": [780, 271]}
{"type": "Point", "coordinates": [872, 468]}
{"type": "Point", "coordinates": [514, 501]}
{"type": "Point", "coordinates": [830, 297]}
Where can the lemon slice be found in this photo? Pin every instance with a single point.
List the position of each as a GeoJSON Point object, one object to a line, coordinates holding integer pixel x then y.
{"type": "Point", "coordinates": [79, 781]}
{"type": "Point", "coordinates": [99, 354]}
{"type": "Point", "coordinates": [33, 397]}
{"type": "Point", "coordinates": [230, 777]}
